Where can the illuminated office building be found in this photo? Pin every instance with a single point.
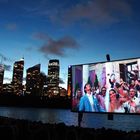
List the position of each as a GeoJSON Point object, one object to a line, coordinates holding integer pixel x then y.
{"type": "Point", "coordinates": [8, 89]}
{"type": "Point", "coordinates": [33, 85]}
{"type": "Point", "coordinates": [69, 82]}
{"type": "Point", "coordinates": [1, 77]}
{"type": "Point", "coordinates": [53, 77]}
{"type": "Point", "coordinates": [18, 77]}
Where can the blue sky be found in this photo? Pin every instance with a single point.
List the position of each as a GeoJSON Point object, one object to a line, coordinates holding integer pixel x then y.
{"type": "Point", "coordinates": [73, 31]}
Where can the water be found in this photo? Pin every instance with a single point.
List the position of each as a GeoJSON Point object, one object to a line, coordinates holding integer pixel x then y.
{"type": "Point", "coordinates": [120, 122]}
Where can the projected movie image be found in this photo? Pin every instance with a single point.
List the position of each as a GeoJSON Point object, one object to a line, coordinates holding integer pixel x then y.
{"type": "Point", "coordinates": [106, 87]}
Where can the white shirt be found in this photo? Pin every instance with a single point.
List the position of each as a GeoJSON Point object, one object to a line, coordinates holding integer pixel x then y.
{"type": "Point", "coordinates": [90, 97]}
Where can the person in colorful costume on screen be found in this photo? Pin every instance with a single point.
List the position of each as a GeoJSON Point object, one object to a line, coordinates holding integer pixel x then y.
{"type": "Point", "coordinates": [88, 102]}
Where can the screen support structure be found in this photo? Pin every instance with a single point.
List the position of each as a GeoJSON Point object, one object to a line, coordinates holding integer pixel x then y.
{"type": "Point", "coordinates": [110, 115]}
{"type": "Point", "coordinates": [80, 116]}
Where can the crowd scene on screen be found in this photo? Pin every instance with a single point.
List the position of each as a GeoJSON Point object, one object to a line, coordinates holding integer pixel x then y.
{"type": "Point", "coordinates": [120, 97]}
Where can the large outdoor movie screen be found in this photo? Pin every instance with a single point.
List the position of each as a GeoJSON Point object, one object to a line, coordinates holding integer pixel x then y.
{"type": "Point", "coordinates": [106, 87]}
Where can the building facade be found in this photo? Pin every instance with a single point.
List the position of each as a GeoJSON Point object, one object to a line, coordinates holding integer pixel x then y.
{"type": "Point", "coordinates": [17, 79]}
{"type": "Point", "coordinates": [69, 82]}
{"type": "Point", "coordinates": [33, 81]}
{"type": "Point", "coordinates": [1, 77]}
{"type": "Point", "coordinates": [53, 77]}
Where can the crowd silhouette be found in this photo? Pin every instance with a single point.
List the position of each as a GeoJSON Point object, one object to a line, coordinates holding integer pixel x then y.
{"type": "Point", "coordinates": [15, 129]}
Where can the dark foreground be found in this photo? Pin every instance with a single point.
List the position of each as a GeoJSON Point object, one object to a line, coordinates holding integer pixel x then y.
{"type": "Point", "coordinates": [15, 129]}
{"type": "Point", "coordinates": [29, 101]}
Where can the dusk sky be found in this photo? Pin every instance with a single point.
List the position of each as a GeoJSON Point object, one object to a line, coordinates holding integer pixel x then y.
{"type": "Point", "coordinates": [73, 31]}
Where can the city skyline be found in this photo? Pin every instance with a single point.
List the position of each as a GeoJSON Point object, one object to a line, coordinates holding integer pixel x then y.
{"type": "Point", "coordinates": [73, 31]}
{"type": "Point", "coordinates": [37, 83]}
{"type": "Point", "coordinates": [3, 67]}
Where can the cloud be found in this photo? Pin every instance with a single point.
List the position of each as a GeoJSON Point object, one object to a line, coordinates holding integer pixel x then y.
{"type": "Point", "coordinates": [35, 8]}
{"type": "Point", "coordinates": [7, 67]}
{"type": "Point", "coordinates": [89, 11]}
{"type": "Point", "coordinates": [97, 12]}
{"type": "Point", "coordinates": [4, 58]}
{"type": "Point", "coordinates": [11, 26]}
{"type": "Point", "coordinates": [56, 47]}
{"type": "Point", "coordinates": [40, 36]}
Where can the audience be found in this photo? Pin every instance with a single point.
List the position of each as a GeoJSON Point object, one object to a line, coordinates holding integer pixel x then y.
{"type": "Point", "coordinates": [15, 129]}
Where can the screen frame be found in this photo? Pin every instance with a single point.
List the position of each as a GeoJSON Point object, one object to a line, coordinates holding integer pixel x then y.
{"type": "Point", "coordinates": [95, 63]}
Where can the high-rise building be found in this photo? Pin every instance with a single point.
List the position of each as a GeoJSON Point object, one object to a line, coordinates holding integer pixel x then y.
{"type": "Point", "coordinates": [1, 77]}
{"type": "Point", "coordinates": [18, 77]}
{"type": "Point", "coordinates": [8, 89]}
{"type": "Point", "coordinates": [43, 84]}
{"type": "Point", "coordinates": [69, 81]}
{"type": "Point", "coordinates": [53, 77]}
{"type": "Point", "coordinates": [33, 81]}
